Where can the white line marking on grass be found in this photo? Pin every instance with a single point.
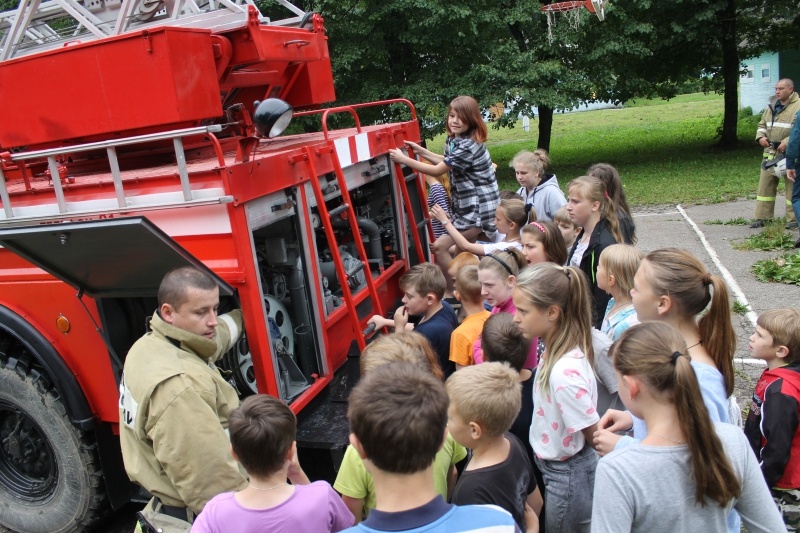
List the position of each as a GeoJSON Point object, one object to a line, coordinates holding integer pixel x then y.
{"type": "Point", "coordinates": [726, 275]}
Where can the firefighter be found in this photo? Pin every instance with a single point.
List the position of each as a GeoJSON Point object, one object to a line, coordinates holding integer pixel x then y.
{"type": "Point", "coordinates": [773, 136]}
{"type": "Point", "coordinates": [174, 403]}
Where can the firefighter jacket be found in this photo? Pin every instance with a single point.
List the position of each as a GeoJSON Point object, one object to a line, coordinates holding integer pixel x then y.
{"type": "Point", "coordinates": [777, 126]}
{"type": "Point", "coordinates": [174, 407]}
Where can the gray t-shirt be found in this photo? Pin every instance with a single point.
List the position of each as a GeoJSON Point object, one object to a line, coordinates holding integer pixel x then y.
{"type": "Point", "coordinates": [650, 489]}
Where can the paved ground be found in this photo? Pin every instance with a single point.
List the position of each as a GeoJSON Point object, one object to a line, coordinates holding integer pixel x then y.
{"type": "Point", "coordinates": [672, 226]}
{"type": "Point", "coordinates": [669, 225]}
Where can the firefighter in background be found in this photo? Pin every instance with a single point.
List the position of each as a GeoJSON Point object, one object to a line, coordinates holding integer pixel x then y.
{"type": "Point", "coordinates": [792, 164]}
{"type": "Point", "coordinates": [174, 403]}
{"type": "Point", "coordinates": [773, 136]}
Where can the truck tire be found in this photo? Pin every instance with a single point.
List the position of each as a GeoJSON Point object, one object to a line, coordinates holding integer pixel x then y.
{"type": "Point", "coordinates": [50, 480]}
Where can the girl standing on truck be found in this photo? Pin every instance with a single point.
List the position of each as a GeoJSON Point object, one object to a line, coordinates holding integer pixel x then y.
{"type": "Point", "coordinates": [473, 184]}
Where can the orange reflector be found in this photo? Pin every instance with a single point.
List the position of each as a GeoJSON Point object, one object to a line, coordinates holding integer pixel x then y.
{"type": "Point", "coordinates": [62, 324]}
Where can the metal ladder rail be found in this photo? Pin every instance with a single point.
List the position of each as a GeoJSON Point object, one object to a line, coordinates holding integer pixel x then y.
{"type": "Point", "coordinates": [401, 181]}
{"type": "Point", "coordinates": [326, 217]}
{"type": "Point", "coordinates": [110, 146]}
{"type": "Point", "coordinates": [341, 181]}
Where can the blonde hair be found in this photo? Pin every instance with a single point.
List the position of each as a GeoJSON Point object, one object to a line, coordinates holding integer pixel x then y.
{"type": "Point", "coordinates": [562, 217]}
{"type": "Point", "coordinates": [461, 260]}
{"type": "Point", "coordinates": [401, 347]}
{"type": "Point", "coordinates": [444, 181]}
{"type": "Point", "coordinates": [505, 263]}
{"type": "Point", "coordinates": [528, 160]}
{"type": "Point", "coordinates": [488, 394]}
{"type": "Point", "coordinates": [684, 278]}
{"type": "Point", "coordinates": [622, 261]}
{"type": "Point", "coordinates": [514, 211]}
{"type": "Point", "coordinates": [543, 156]}
{"type": "Point", "coordinates": [567, 288]}
{"type": "Point", "coordinates": [594, 190]}
{"type": "Point", "coordinates": [468, 285]}
{"type": "Point", "coordinates": [656, 353]}
{"type": "Point", "coordinates": [784, 326]}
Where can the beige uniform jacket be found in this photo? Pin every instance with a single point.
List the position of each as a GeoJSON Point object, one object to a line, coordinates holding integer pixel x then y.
{"type": "Point", "coordinates": [777, 128]}
{"type": "Point", "coordinates": [174, 407]}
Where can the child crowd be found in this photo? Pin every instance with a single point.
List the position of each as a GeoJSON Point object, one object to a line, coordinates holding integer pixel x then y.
{"type": "Point", "coordinates": [572, 383]}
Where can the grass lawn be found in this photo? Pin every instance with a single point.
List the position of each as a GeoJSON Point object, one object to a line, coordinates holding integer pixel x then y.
{"type": "Point", "coordinates": [665, 151]}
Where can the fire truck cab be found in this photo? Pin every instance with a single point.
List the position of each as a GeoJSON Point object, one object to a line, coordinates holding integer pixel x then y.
{"type": "Point", "coordinates": [103, 192]}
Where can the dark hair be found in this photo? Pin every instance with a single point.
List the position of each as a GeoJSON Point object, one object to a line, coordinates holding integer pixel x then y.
{"type": "Point", "coordinates": [466, 107]}
{"type": "Point", "coordinates": [398, 412]}
{"type": "Point", "coordinates": [502, 341]}
{"type": "Point", "coordinates": [262, 430]}
{"type": "Point", "coordinates": [425, 278]}
{"type": "Point", "coordinates": [176, 284]}
{"type": "Point", "coordinates": [551, 238]}
{"type": "Point", "coordinates": [657, 354]}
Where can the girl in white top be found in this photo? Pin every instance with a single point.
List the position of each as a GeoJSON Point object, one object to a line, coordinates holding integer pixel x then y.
{"type": "Point", "coordinates": [687, 473]}
{"type": "Point", "coordinates": [509, 218]}
{"type": "Point", "coordinates": [552, 302]}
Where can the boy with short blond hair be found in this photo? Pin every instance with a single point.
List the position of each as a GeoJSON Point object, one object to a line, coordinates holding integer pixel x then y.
{"type": "Point", "coordinates": [569, 230]}
{"type": "Point", "coordinates": [468, 292]}
{"type": "Point", "coordinates": [484, 401]}
{"type": "Point", "coordinates": [398, 421]}
{"type": "Point", "coordinates": [773, 423]}
{"type": "Point", "coordinates": [423, 287]}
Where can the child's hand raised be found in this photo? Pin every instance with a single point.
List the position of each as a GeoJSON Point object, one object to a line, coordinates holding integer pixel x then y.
{"type": "Point", "coordinates": [400, 318]}
{"type": "Point", "coordinates": [397, 155]}
{"type": "Point", "coordinates": [615, 420]}
{"type": "Point", "coordinates": [414, 146]}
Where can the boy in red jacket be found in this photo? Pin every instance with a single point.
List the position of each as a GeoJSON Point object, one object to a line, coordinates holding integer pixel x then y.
{"type": "Point", "coordinates": [773, 424]}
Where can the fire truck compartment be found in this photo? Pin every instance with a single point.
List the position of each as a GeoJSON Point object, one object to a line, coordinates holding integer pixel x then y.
{"type": "Point", "coordinates": [108, 258]}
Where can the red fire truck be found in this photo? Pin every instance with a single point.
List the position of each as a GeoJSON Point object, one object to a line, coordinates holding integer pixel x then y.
{"type": "Point", "coordinates": [137, 136]}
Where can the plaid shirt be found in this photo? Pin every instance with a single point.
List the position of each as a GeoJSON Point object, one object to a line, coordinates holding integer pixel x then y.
{"type": "Point", "coordinates": [472, 184]}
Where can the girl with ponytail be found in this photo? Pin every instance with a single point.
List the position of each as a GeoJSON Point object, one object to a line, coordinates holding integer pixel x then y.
{"type": "Point", "coordinates": [673, 286]}
{"type": "Point", "coordinates": [590, 207]}
{"type": "Point", "coordinates": [552, 302]}
{"type": "Point", "coordinates": [688, 472]}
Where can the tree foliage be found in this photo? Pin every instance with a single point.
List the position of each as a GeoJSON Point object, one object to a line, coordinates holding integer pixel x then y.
{"type": "Point", "coordinates": [497, 50]}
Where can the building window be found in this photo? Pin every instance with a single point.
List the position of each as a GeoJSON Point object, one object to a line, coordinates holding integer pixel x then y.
{"type": "Point", "coordinates": [765, 73]}
{"type": "Point", "coordinates": [749, 74]}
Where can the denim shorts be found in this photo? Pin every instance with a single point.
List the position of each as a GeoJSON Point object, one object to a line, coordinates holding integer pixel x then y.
{"type": "Point", "coordinates": [569, 487]}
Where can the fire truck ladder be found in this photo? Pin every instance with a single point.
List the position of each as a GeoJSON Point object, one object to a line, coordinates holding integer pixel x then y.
{"type": "Point", "coordinates": [38, 25]}
{"type": "Point", "coordinates": [123, 203]}
{"type": "Point", "coordinates": [402, 183]}
{"type": "Point", "coordinates": [327, 216]}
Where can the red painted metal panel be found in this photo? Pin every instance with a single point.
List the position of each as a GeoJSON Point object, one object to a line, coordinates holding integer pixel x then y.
{"type": "Point", "coordinates": [158, 77]}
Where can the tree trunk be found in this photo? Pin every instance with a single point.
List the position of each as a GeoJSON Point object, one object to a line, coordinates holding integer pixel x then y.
{"type": "Point", "coordinates": [730, 73]}
{"type": "Point", "coordinates": [545, 127]}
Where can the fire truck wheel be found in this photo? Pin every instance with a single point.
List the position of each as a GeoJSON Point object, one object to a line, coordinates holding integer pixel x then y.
{"type": "Point", "coordinates": [49, 475]}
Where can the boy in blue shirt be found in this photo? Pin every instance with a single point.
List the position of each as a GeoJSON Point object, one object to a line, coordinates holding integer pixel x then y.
{"type": "Point", "coordinates": [423, 287]}
{"type": "Point", "coordinates": [398, 421]}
